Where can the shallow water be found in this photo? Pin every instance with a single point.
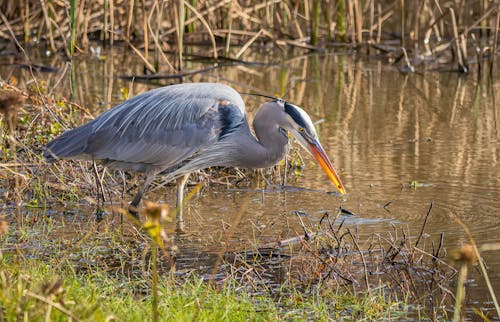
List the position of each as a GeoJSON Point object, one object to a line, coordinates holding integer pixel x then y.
{"type": "Point", "coordinates": [400, 141]}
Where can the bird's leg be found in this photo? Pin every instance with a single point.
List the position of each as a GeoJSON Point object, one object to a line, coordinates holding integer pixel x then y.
{"type": "Point", "coordinates": [132, 208]}
{"type": "Point", "coordinates": [181, 183]}
{"type": "Point", "coordinates": [100, 192]}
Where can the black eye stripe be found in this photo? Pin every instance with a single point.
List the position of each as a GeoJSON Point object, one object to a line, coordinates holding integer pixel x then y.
{"type": "Point", "coordinates": [295, 115]}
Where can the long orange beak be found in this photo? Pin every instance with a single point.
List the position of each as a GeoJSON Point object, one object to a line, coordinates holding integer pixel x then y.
{"type": "Point", "coordinates": [324, 162]}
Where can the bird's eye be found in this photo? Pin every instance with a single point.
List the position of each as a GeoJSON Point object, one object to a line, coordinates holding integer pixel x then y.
{"type": "Point", "coordinates": [301, 130]}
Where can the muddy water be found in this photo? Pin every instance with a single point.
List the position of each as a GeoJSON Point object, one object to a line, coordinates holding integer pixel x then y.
{"type": "Point", "coordinates": [401, 142]}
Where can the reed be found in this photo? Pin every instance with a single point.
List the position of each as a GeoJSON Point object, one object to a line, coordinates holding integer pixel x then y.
{"type": "Point", "coordinates": [177, 23]}
{"type": "Point", "coordinates": [402, 15]}
{"type": "Point", "coordinates": [104, 35]}
{"type": "Point", "coordinates": [315, 23]}
{"type": "Point", "coordinates": [72, 39]}
{"type": "Point", "coordinates": [341, 28]}
{"type": "Point", "coordinates": [359, 21]}
{"type": "Point", "coordinates": [496, 27]}
{"type": "Point", "coordinates": [180, 18]}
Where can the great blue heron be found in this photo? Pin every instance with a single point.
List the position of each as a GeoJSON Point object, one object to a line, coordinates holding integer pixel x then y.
{"type": "Point", "coordinates": [178, 129]}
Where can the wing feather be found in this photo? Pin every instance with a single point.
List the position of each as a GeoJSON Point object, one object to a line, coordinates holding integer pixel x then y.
{"type": "Point", "coordinates": [159, 128]}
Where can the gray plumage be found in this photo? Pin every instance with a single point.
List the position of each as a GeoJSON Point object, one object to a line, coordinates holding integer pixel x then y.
{"type": "Point", "coordinates": [181, 128]}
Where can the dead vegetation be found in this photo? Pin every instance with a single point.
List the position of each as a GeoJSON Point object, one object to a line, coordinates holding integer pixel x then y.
{"type": "Point", "coordinates": [396, 265]}
{"type": "Point", "coordinates": [389, 275]}
{"type": "Point", "coordinates": [410, 35]}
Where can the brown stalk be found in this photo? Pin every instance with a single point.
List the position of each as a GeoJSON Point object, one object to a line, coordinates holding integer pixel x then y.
{"type": "Point", "coordinates": [379, 23]}
{"type": "Point", "coordinates": [433, 26]}
{"type": "Point", "coordinates": [495, 40]}
{"type": "Point", "coordinates": [352, 23]}
{"type": "Point", "coordinates": [365, 269]}
{"type": "Point", "coordinates": [244, 33]}
{"type": "Point", "coordinates": [146, 34]}
{"type": "Point", "coordinates": [314, 23]}
{"type": "Point", "coordinates": [26, 18]}
{"type": "Point", "coordinates": [230, 28]}
{"type": "Point", "coordinates": [111, 21]}
{"type": "Point", "coordinates": [156, 33]}
{"type": "Point", "coordinates": [372, 20]}
{"type": "Point", "coordinates": [205, 24]}
{"type": "Point", "coordinates": [48, 24]}
{"type": "Point", "coordinates": [415, 35]}
{"type": "Point", "coordinates": [460, 59]}
{"type": "Point", "coordinates": [359, 21]}
{"type": "Point", "coordinates": [248, 44]}
{"type": "Point", "coordinates": [180, 15]}
{"type": "Point", "coordinates": [479, 20]}
{"type": "Point", "coordinates": [296, 43]}
{"type": "Point", "coordinates": [83, 19]}
{"type": "Point", "coordinates": [158, 48]}
{"type": "Point", "coordinates": [260, 6]}
{"type": "Point", "coordinates": [138, 52]}
{"type": "Point", "coordinates": [129, 19]}
{"type": "Point", "coordinates": [306, 10]}
{"type": "Point", "coordinates": [423, 225]}
{"type": "Point", "coordinates": [403, 22]}
{"type": "Point", "coordinates": [204, 13]}
{"type": "Point", "coordinates": [245, 16]}
{"type": "Point", "coordinates": [86, 19]}
{"type": "Point", "coordinates": [104, 32]}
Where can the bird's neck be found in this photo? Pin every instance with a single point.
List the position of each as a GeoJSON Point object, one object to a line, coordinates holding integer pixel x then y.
{"type": "Point", "coordinates": [269, 146]}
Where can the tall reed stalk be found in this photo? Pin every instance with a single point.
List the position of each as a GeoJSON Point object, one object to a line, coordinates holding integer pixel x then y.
{"type": "Point", "coordinates": [315, 22]}
{"type": "Point", "coordinates": [180, 19]}
{"type": "Point", "coordinates": [145, 30]}
{"type": "Point", "coordinates": [359, 21]}
{"type": "Point", "coordinates": [111, 22]}
{"type": "Point", "coordinates": [105, 22]}
{"type": "Point", "coordinates": [403, 22]}
{"type": "Point", "coordinates": [191, 26]}
{"type": "Point", "coordinates": [341, 26]}
{"type": "Point", "coordinates": [495, 39]}
{"type": "Point", "coordinates": [25, 13]}
{"type": "Point", "coordinates": [72, 23]}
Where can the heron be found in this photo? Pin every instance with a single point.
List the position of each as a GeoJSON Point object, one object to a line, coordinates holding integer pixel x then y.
{"type": "Point", "coordinates": [178, 129]}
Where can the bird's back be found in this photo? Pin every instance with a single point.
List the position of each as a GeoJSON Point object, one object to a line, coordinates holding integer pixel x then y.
{"type": "Point", "coordinates": [156, 129]}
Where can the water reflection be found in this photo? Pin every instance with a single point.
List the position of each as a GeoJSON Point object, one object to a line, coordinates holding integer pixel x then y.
{"type": "Point", "coordinates": [383, 129]}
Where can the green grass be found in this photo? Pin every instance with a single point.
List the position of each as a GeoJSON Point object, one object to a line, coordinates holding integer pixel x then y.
{"type": "Point", "coordinates": [33, 290]}
{"type": "Point", "coordinates": [28, 287]}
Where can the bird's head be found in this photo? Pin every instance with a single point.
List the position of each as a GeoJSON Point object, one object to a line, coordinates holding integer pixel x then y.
{"type": "Point", "coordinates": [300, 125]}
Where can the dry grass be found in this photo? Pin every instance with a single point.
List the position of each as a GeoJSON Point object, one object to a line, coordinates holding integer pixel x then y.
{"type": "Point", "coordinates": [430, 32]}
{"type": "Point", "coordinates": [397, 266]}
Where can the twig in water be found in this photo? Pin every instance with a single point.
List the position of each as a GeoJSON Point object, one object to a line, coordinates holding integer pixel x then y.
{"type": "Point", "coordinates": [307, 235]}
{"type": "Point", "coordinates": [423, 225]}
{"type": "Point", "coordinates": [387, 205]}
{"type": "Point", "coordinates": [461, 63]}
{"type": "Point", "coordinates": [362, 259]}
